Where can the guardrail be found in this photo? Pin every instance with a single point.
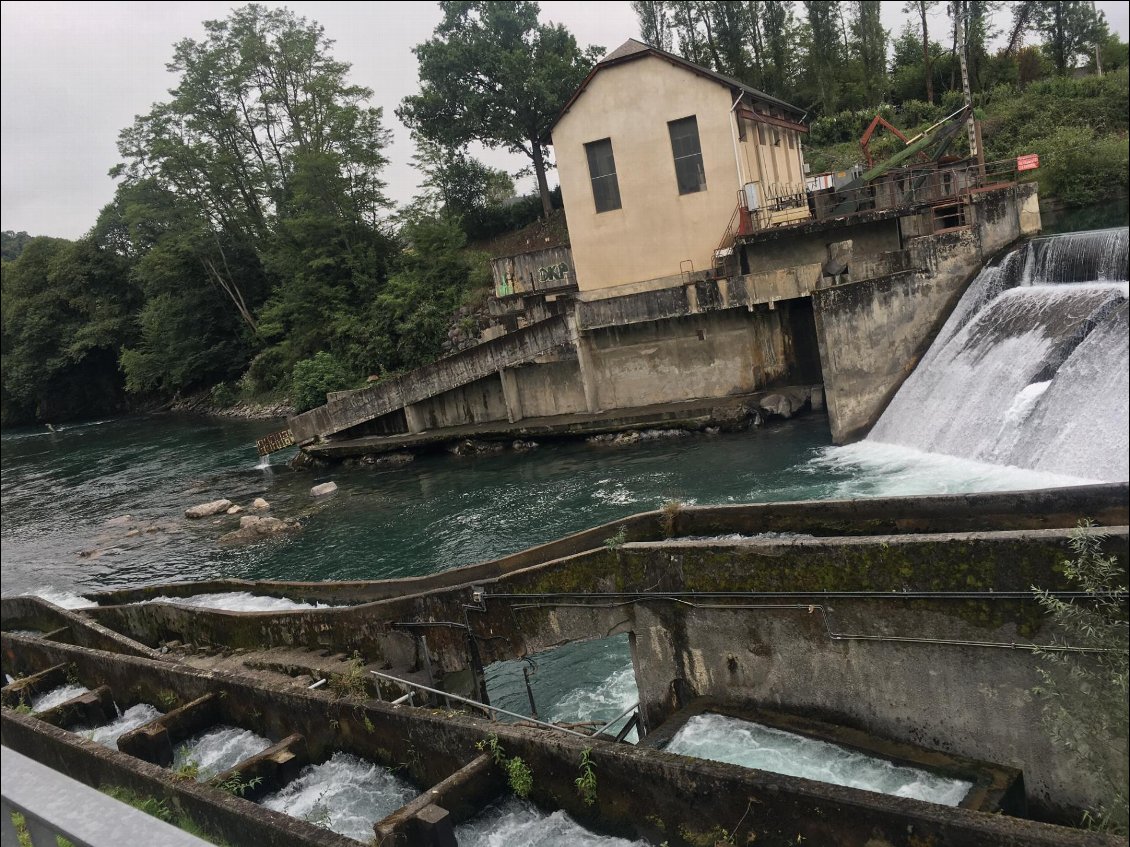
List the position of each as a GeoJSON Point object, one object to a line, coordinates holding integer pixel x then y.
{"type": "Point", "coordinates": [54, 806]}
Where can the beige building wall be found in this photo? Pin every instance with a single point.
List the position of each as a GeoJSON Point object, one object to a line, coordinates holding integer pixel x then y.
{"type": "Point", "coordinates": [656, 228]}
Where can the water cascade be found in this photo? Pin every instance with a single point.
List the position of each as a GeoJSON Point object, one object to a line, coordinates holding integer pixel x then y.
{"type": "Point", "coordinates": [345, 794]}
{"type": "Point", "coordinates": [108, 734]}
{"type": "Point", "coordinates": [219, 748]}
{"type": "Point", "coordinates": [1031, 369]}
{"type": "Point", "coordinates": [515, 823]}
{"type": "Point", "coordinates": [54, 697]}
{"type": "Point", "coordinates": [725, 739]}
{"type": "Point", "coordinates": [239, 601]}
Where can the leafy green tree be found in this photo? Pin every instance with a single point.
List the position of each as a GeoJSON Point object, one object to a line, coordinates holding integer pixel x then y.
{"type": "Point", "coordinates": [921, 10]}
{"type": "Point", "coordinates": [254, 191]}
{"type": "Point", "coordinates": [871, 46]}
{"type": "Point", "coordinates": [13, 243]}
{"type": "Point", "coordinates": [67, 309]}
{"type": "Point", "coordinates": [492, 73]}
{"type": "Point", "coordinates": [655, 23]}
{"type": "Point", "coordinates": [825, 53]}
{"type": "Point", "coordinates": [457, 184]}
{"type": "Point", "coordinates": [1070, 28]}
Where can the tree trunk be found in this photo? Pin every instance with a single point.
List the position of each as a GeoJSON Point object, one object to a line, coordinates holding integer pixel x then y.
{"type": "Point", "coordinates": [926, 63]}
{"type": "Point", "coordinates": [543, 183]}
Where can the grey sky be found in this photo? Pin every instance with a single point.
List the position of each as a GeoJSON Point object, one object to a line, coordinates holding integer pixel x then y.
{"type": "Point", "coordinates": [74, 74]}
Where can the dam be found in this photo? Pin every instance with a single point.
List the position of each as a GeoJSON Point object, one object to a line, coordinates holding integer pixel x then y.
{"type": "Point", "coordinates": [903, 630]}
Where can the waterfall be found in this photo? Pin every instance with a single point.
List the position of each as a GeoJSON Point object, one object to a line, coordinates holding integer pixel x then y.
{"type": "Point", "coordinates": [1031, 369]}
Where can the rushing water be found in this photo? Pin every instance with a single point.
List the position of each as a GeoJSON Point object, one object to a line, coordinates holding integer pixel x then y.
{"type": "Point", "coordinates": [56, 696]}
{"type": "Point", "coordinates": [345, 794]}
{"type": "Point", "coordinates": [515, 823]}
{"type": "Point", "coordinates": [726, 739]}
{"type": "Point", "coordinates": [217, 749]}
{"type": "Point", "coordinates": [108, 734]}
{"type": "Point", "coordinates": [589, 681]}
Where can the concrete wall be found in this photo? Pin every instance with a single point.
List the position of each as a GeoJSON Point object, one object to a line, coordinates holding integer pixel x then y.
{"type": "Point", "coordinates": [657, 228]}
{"type": "Point", "coordinates": [867, 238]}
{"type": "Point", "coordinates": [537, 270]}
{"type": "Point", "coordinates": [478, 362]}
{"type": "Point", "coordinates": [709, 355]}
{"type": "Point", "coordinates": [550, 388]}
{"type": "Point", "coordinates": [478, 402]}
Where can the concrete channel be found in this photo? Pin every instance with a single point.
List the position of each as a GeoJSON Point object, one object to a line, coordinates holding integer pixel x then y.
{"type": "Point", "coordinates": [899, 626]}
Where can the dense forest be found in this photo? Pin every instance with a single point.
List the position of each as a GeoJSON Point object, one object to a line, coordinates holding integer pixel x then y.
{"type": "Point", "coordinates": [250, 250]}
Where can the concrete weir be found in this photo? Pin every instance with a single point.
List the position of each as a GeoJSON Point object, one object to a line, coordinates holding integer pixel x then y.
{"type": "Point", "coordinates": [902, 627]}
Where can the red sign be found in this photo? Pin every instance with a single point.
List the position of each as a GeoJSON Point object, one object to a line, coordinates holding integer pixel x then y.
{"type": "Point", "coordinates": [1028, 163]}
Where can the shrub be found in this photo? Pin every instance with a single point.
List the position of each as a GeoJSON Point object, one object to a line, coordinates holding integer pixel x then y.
{"type": "Point", "coordinates": [313, 378]}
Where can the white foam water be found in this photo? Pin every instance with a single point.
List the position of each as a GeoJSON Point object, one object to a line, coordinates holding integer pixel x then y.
{"type": "Point", "coordinates": [108, 734]}
{"type": "Point", "coordinates": [51, 699]}
{"type": "Point", "coordinates": [217, 749]}
{"type": "Point", "coordinates": [602, 702]}
{"type": "Point", "coordinates": [875, 469]}
{"type": "Point", "coordinates": [64, 599]}
{"type": "Point", "coordinates": [726, 739]}
{"type": "Point", "coordinates": [516, 823]}
{"type": "Point", "coordinates": [239, 601]}
{"type": "Point", "coordinates": [345, 794]}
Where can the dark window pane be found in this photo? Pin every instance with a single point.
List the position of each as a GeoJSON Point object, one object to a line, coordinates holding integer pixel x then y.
{"type": "Point", "coordinates": [689, 172]}
{"type": "Point", "coordinates": [602, 170]}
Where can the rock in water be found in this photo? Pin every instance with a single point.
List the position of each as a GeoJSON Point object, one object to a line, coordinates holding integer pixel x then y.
{"type": "Point", "coordinates": [254, 528]}
{"type": "Point", "coordinates": [235, 510]}
{"type": "Point", "coordinates": [324, 489]}
{"type": "Point", "coordinates": [260, 505]}
{"type": "Point", "coordinates": [206, 510]}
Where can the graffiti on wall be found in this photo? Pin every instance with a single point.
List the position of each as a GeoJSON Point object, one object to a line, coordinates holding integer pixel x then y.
{"type": "Point", "coordinates": [551, 272]}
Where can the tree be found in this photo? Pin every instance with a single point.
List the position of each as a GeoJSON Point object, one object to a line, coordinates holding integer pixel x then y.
{"type": "Point", "coordinates": [254, 186]}
{"type": "Point", "coordinates": [825, 53]}
{"type": "Point", "coordinates": [1071, 29]}
{"type": "Point", "coordinates": [871, 44]}
{"type": "Point", "coordinates": [457, 184]}
{"type": "Point", "coordinates": [492, 73]}
{"type": "Point", "coordinates": [922, 8]}
{"type": "Point", "coordinates": [655, 25]}
{"type": "Point", "coordinates": [67, 309]}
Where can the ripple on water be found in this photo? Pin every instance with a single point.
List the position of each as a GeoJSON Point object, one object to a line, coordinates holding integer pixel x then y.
{"type": "Point", "coordinates": [517, 823]}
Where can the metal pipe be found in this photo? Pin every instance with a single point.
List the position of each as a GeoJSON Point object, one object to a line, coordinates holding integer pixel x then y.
{"type": "Point", "coordinates": [627, 711]}
{"type": "Point", "coordinates": [484, 706]}
{"type": "Point", "coordinates": [832, 634]}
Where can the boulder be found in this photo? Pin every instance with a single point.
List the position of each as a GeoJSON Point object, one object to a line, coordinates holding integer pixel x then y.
{"type": "Point", "coordinates": [254, 528]}
{"type": "Point", "coordinates": [472, 447]}
{"type": "Point", "coordinates": [206, 510]}
{"type": "Point", "coordinates": [260, 505]}
{"type": "Point", "coordinates": [235, 510]}
{"type": "Point", "coordinates": [323, 489]}
{"type": "Point", "coordinates": [523, 446]}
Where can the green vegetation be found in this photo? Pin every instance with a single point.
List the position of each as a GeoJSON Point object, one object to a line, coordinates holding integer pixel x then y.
{"type": "Point", "coordinates": [352, 684]}
{"type": "Point", "coordinates": [586, 782]}
{"type": "Point", "coordinates": [518, 774]}
{"type": "Point", "coordinates": [237, 784]}
{"type": "Point", "coordinates": [614, 542]}
{"type": "Point", "coordinates": [1084, 694]}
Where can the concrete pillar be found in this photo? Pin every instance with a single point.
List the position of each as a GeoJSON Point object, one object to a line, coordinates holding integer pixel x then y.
{"type": "Point", "coordinates": [511, 395]}
{"type": "Point", "coordinates": [415, 418]}
{"type": "Point", "coordinates": [588, 374]}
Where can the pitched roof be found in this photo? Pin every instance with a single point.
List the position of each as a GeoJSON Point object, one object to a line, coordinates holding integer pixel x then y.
{"type": "Point", "coordinates": [633, 49]}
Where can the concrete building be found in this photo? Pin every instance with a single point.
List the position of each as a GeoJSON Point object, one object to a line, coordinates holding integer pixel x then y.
{"type": "Point", "coordinates": [654, 152]}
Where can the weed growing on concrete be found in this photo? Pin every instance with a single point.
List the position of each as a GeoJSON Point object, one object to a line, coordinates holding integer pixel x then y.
{"type": "Point", "coordinates": [167, 699]}
{"type": "Point", "coordinates": [72, 674]}
{"type": "Point", "coordinates": [237, 785]}
{"type": "Point", "coordinates": [671, 511]}
{"type": "Point", "coordinates": [1084, 694]}
{"type": "Point", "coordinates": [158, 809]}
{"type": "Point", "coordinates": [24, 708]}
{"type": "Point", "coordinates": [586, 782]}
{"type": "Point", "coordinates": [189, 770]}
{"type": "Point", "coordinates": [614, 542]}
{"type": "Point", "coordinates": [351, 684]}
{"type": "Point", "coordinates": [518, 774]}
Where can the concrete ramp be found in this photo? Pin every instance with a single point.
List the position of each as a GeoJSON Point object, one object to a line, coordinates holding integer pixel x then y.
{"type": "Point", "coordinates": [366, 404]}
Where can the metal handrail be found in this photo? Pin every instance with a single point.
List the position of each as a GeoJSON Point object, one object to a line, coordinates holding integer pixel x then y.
{"type": "Point", "coordinates": [484, 706]}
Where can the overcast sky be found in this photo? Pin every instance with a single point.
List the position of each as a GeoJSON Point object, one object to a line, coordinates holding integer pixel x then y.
{"type": "Point", "coordinates": [75, 74]}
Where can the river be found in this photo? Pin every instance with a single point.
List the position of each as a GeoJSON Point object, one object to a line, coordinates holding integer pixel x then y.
{"type": "Point", "coordinates": [63, 490]}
